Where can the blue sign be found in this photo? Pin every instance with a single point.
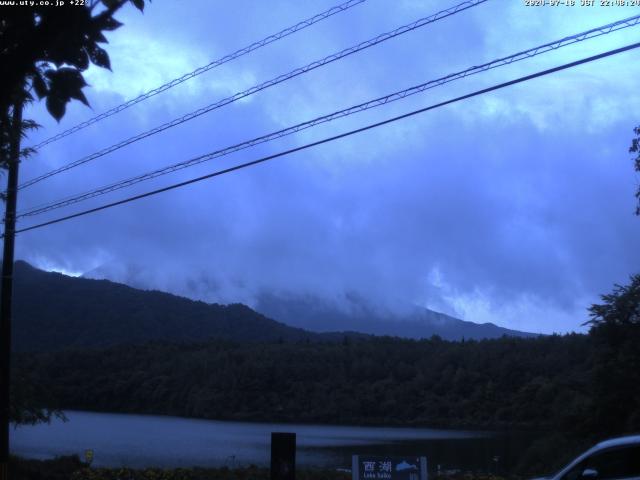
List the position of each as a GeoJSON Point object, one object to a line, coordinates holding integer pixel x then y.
{"type": "Point", "coordinates": [388, 468]}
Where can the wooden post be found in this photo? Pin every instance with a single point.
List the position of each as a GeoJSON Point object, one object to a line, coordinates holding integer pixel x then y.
{"type": "Point", "coordinates": [6, 288]}
{"type": "Point", "coordinates": [283, 456]}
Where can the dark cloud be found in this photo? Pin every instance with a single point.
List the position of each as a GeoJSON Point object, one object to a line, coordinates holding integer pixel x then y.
{"type": "Point", "coordinates": [514, 208]}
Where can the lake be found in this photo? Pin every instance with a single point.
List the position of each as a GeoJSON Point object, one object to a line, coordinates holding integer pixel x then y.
{"type": "Point", "coordinates": [147, 440]}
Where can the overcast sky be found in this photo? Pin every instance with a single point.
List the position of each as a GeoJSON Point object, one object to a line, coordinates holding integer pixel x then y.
{"type": "Point", "coordinates": [515, 207]}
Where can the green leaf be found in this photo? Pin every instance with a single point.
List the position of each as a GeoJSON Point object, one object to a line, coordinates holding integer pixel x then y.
{"type": "Point", "coordinates": [110, 23]}
{"type": "Point", "coordinates": [40, 86]}
{"type": "Point", "coordinates": [139, 4]}
{"type": "Point", "coordinates": [99, 37]}
{"type": "Point", "coordinates": [30, 125]}
{"type": "Point", "coordinates": [99, 56]}
{"type": "Point", "coordinates": [79, 95]}
{"type": "Point", "coordinates": [66, 83]}
{"type": "Point", "coordinates": [56, 106]}
{"type": "Point", "coordinates": [73, 76]}
{"type": "Point", "coordinates": [81, 60]}
{"type": "Point", "coordinates": [27, 152]}
{"type": "Point", "coordinates": [67, 49]}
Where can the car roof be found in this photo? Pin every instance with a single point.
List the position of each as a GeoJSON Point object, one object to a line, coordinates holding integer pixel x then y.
{"type": "Point", "coordinates": [610, 443]}
{"type": "Point", "coordinates": [619, 441]}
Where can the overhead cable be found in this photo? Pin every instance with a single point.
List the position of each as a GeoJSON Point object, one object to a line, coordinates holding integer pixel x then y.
{"type": "Point", "coordinates": [198, 71]}
{"type": "Point", "coordinates": [257, 88]}
{"type": "Point", "coordinates": [335, 137]}
{"type": "Point", "coordinates": [532, 52]}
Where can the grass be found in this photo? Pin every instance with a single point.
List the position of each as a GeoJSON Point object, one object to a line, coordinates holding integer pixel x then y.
{"type": "Point", "coordinates": [71, 468]}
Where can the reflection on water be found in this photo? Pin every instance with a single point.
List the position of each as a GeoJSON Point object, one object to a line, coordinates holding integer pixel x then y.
{"type": "Point", "coordinates": [145, 440]}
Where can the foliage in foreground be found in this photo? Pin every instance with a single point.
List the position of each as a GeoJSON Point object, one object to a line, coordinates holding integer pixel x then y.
{"type": "Point", "coordinates": [635, 148]}
{"type": "Point", "coordinates": [249, 473]}
{"type": "Point", "coordinates": [60, 468]}
{"type": "Point", "coordinates": [71, 468]}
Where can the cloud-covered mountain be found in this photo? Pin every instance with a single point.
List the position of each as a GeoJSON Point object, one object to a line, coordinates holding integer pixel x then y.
{"type": "Point", "coordinates": [348, 312]}
{"type": "Point", "coordinates": [52, 311]}
{"type": "Point", "coordinates": [313, 313]}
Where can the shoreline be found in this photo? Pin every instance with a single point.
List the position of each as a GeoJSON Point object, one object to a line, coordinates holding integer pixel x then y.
{"type": "Point", "coordinates": [480, 430]}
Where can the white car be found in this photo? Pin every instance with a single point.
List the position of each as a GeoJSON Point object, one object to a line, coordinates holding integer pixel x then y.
{"type": "Point", "coordinates": [614, 459]}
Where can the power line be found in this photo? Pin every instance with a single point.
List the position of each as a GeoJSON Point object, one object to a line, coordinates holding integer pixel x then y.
{"type": "Point", "coordinates": [337, 137]}
{"type": "Point", "coordinates": [198, 71]}
{"type": "Point", "coordinates": [257, 88]}
{"type": "Point", "coordinates": [592, 33]}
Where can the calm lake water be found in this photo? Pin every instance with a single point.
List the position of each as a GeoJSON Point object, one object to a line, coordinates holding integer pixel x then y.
{"type": "Point", "coordinates": [146, 440]}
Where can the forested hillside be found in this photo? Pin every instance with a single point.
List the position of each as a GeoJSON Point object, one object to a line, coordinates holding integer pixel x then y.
{"type": "Point", "coordinates": [81, 312]}
{"type": "Point", "coordinates": [515, 383]}
{"type": "Point", "coordinates": [54, 311]}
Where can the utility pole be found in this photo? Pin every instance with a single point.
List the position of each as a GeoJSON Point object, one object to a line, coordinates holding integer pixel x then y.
{"type": "Point", "coordinates": [6, 287]}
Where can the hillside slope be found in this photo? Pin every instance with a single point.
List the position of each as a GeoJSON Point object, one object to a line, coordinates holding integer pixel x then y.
{"type": "Point", "coordinates": [347, 312]}
{"type": "Point", "coordinates": [52, 311]}
{"type": "Point", "coordinates": [320, 316]}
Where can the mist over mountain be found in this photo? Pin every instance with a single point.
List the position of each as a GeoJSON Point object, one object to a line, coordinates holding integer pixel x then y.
{"type": "Point", "coordinates": [318, 315]}
{"type": "Point", "coordinates": [348, 312]}
{"type": "Point", "coordinates": [52, 311]}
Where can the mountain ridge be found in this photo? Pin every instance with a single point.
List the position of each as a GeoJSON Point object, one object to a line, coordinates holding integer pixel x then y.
{"type": "Point", "coordinates": [414, 323]}
{"type": "Point", "coordinates": [72, 312]}
{"type": "Point", "coordinates": [348, 311]}
{"type": "Point", "coordinates": [76, 312]}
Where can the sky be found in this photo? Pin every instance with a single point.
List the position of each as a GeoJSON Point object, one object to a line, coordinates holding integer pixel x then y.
{"type": "Point", "coordinates": [515, 207]}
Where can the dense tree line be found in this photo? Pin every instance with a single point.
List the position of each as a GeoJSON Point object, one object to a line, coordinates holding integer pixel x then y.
{"type": "Point", "coordinates": [616, 370]}
{"type": "Point", "coordinates": [524, 383]}
{"type": "Point", "coordinates": [77, 312]}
